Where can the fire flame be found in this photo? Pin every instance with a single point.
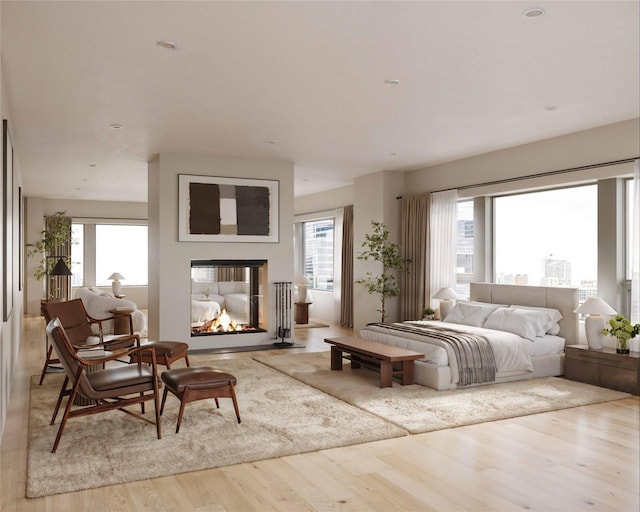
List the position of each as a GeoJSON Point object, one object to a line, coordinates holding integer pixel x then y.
{"type": "Point", "coordinates": [224, 323]}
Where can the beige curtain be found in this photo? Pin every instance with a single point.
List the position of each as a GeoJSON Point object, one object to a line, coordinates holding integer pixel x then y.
{"type": "Point", "coordinates": [231, 274]}
{"type": "Point", "coordinates": [414, 245]}
{"type": "Point", "coordinates": [346, 292]}
{"type": "Point", "coordinates": [59, 286]}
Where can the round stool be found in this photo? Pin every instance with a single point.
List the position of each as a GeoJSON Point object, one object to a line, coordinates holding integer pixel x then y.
{"type": "Point", "coordinates": [198, 383]}
{"type": "Point", "coordinates": [166, 353]}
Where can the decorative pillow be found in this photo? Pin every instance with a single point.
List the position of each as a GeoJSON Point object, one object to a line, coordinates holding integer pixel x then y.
{"type": "Point", "coordinates": [525, 323]}
{"type": "Point", "coordinates": [470, 314]}
{"type": "Point", "coordinates": [551, 324]}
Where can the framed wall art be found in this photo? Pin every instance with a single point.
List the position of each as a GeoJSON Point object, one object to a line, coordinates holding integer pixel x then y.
{"type": "Point", "coordinates": [7, 231]}
{"type": "Point", "coordinates": [221, 209]}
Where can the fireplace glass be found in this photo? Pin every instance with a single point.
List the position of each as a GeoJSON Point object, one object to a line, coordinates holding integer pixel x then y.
{"type": "Point", "coordinates": [227, 296]}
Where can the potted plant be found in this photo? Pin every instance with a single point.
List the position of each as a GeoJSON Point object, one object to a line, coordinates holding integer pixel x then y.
{"type": "Point", "coordinates": [428, 313]}
{"type": "Point", "coordinates": [622, 329]}
{"type": "Point", "coordinates": [377, 247]}
{"type": "Point", "coordinates": [56, 234]}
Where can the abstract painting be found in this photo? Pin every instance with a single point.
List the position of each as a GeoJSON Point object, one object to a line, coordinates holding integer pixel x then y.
{"type": "Point", "coordinates": [220, 209]}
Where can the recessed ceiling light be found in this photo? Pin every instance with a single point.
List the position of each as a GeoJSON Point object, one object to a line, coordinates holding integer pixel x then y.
{"type": "Point", "coordinates": [551, 107]}
{"type": "Point", "coordinates": [271, 141]}
{"type": "Point", "coordinates": [167, 45]}
{"type": "Point", "coordinates": [92, 165]}
{"type": "Point", "coordinates": [116, 126]}
{"type": "Point", "coordinates": [392, 82]}
{"type": "Point", "coordinates": [393, 154]}
{"type": "Point", "coordinates": [536, 12]}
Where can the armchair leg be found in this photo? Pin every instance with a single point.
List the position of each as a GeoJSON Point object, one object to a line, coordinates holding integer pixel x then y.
{"type": "Point", "coordinates": [46, 364]}
{"type": "Point", "coordinates": [164, 399]}
{"type": "Point", "coordinates": [62, 393]}
{"type": "Point", "coordinates": [67, 410]}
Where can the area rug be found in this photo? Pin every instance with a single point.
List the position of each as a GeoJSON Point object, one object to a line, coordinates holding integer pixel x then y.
{"type": "Point", "coordinates": [420, 409]}
{"type": "Point", "coordinates": [310, 325]}
{"type": "Point", "coordinates": [280, 416]}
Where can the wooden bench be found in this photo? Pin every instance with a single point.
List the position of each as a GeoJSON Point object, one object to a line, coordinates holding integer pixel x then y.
{"type": "Point", "coordinates": [375, 355]}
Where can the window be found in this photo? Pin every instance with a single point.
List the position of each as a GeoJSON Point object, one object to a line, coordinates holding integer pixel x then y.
{"type": "Point", "coordinates": [629, 226]}
{"type": "Point", "coordinates": [464, 249]}
{"type": "Point", "coordinates": [77, 254]}
{"type": "Point", "coordinates": [123, 249]}
{"type": "Point", "coordinates": [101, 248]}
{"type": "Point", "coordinates": [318, 253]}
{"type": "Point", "coordinates": [548, 238]}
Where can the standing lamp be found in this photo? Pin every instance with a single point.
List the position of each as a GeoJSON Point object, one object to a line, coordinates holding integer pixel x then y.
{"type": "Point", "coordinates": [116, 284]}
{"type": "Point", "coordinates": [595, 308]}
{"type": "Point", "coordinates": [446, 296]}
{"type": "Point", "coordinates": [59, 269]}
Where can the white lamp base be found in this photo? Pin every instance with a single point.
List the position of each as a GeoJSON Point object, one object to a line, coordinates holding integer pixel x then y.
{"type": "Point", "coordinates": [593, 325]}
{"type": "Point", "coordinates": [115, 287]}
{"type": "Point", "coordinates": [445, 308]}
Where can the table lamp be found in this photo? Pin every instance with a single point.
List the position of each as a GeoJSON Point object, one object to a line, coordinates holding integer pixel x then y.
{"type": "Point", "coordinates": [595, 308]}
{"type": "Point", "coordinates": [116, 284]}
{"type": "Point", "coordinates": [446, 296]}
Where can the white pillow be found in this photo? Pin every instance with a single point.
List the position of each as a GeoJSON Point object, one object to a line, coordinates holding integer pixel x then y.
{"type": "Point", "coordinates": [525, 323]}
{"type": "Point", "coordinates": [554, 316]}
{"type": "Point", "coordinates": [470, 314]}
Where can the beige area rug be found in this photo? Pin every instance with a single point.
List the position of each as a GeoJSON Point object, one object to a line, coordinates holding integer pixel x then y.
{"type": "Point", "coordinates": [280, 416]}
{"type": "Point", "coordinates": [421, 409]}
{"type": "Point", "coordinates": [310, 325]}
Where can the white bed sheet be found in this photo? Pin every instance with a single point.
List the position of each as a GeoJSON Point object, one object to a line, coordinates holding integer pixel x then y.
{"type": "Point", "coordinates": [511, 352]}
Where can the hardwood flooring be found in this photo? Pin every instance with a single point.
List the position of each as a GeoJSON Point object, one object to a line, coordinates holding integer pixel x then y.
{"type": "Point", "coordinates": [585, 458]}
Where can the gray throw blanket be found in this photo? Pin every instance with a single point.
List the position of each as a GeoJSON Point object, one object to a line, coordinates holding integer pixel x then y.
{"type": "Point", "coordinates": [474, 355]}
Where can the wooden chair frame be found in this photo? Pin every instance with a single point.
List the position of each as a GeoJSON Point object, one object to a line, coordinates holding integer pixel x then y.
{"type": "Point", "coordinates": [145, 388]}
{"type": "Point", "coordinates": [79, 325]}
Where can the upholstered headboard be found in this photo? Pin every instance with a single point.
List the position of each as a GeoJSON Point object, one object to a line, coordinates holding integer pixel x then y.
{"type": "Point", "coordinates": [564, 300]}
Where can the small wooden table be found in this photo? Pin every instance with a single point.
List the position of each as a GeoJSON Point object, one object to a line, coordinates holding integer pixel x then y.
{"type": "Point", "coordinates": [122, 323]}
{"type": "Point", "coordinates": [302, 312]}
{"type": "Point", "coordinates": [375, 355]}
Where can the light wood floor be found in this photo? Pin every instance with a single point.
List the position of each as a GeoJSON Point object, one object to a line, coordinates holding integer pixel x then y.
{"type": "Point", "coordinates": [586, 458]}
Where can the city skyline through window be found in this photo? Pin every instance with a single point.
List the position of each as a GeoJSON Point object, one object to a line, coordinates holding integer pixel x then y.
{"type": "Point", "coordinates": [548, 238]}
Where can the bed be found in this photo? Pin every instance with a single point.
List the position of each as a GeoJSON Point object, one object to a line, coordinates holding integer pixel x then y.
{"type": "Point", "coordinates": [517, 349]}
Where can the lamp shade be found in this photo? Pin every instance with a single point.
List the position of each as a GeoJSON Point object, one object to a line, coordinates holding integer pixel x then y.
{"type": "Point", "coordinates": [116, 275]}
{"type": "Point", "coordinates": [595, 306]}
{"type": "Point", "coordinates": [446, 293]}
{"type": "Point", "coordinates": [60, 269]}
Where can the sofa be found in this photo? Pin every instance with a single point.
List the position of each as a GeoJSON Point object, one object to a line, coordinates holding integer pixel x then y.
{"type": "Point", "coordinates": [98, 302]}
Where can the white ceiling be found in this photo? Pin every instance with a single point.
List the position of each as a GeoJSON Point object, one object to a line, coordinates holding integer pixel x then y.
{"type": "Point", "coordinates": [474, 77]}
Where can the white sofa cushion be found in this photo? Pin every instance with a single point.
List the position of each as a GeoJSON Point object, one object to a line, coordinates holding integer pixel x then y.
{"type": "Point", "coordinates": [98, 302]}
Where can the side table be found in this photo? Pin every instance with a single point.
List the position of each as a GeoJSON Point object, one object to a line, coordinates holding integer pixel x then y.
{"type": "Point", "coordinates": [603, 367]}
{"type": "Point", "coordinates": [122, 323]}
{"type": "Point", "coordinates": [302, 312]}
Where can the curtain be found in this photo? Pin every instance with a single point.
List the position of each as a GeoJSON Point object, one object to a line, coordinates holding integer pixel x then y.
{"type": "Point", "coordinates": [442, 239]}
{"type": "Point", "coordinates": [635, 248]}
{"type": "Point", "coordinates": [231, 274]}
{"type": "Point", "coordinates": [414, 246]}
{"type": "Point", "coordinates": [59, 287]}
{"type": "Point", "coordinates": [346, 286]}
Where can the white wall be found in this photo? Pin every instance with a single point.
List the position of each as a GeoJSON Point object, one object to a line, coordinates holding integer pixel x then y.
{"type": "Point", "coordinates": [11, 329]}
{"type": "Point", "coordinates": [170, 260]}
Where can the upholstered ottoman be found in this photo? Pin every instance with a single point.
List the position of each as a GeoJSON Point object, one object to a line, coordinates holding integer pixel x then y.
{"type": "Point", "coordinates": [198, 383]}
{"type": "Point", "coordinates": [166, 353]}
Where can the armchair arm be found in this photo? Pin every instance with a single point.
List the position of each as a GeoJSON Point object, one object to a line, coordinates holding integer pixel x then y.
{"type": "Point", "coordinates": [102, 360]}
{"type": "Point", "coordinates": [112, 344]}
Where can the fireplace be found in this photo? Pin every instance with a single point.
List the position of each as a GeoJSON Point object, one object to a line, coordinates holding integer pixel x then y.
{"type": "Point", "coordinates": [227, 296]}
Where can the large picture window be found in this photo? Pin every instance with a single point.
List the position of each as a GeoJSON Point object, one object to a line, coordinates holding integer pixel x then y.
{"type": "Point", "coordinates": [548, 238]}
{"type": "Point", "coordinates": [464, 249]}
{"type": "Point", "coordinates": [318, 253]}
{"type": "Point", "coordinates": [103, 247]}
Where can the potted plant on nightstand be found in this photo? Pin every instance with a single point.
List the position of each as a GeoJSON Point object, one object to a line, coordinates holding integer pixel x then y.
{"type": "Point", "coordinates": [428, 313]}
{"type": "Point", "coordinates": [622, 329]}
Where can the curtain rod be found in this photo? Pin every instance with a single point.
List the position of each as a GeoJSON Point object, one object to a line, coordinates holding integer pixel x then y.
{"type": "Point", "coordinates": [543, 174]}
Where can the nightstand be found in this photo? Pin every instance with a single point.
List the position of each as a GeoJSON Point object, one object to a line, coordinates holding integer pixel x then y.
{"type": "Point", "coordinates": [604, 368]}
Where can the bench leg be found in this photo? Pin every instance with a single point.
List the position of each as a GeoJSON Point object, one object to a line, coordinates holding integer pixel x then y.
{"type": "Point", "coordinates": [407, 372]}
{"type": "Point", "coordinates": [336, 358]}
{"type": "Point", "coordinates": [386, 372]}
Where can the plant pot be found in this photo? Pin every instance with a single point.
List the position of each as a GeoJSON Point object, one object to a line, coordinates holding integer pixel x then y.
{"type": "Point", "coordinates": [622, 347]}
